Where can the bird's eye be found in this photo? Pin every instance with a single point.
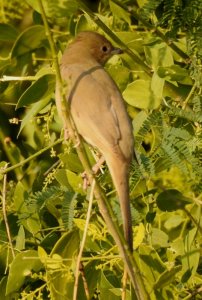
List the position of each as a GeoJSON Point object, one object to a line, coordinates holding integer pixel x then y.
{"type": "Point", "coordinates": [104, 49]}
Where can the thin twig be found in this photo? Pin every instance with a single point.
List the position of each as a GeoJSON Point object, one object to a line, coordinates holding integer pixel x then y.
{"type": "Point", "coordinates": [18, 78]}
{"type": "Point", "coordinates": [189, 96]}
{"type": "Point", "coordinates": [85, 283]}
{"type": "Point", "coordinates": [83, 244]}
{"type": "Point", "coordinates": [124, 284]}
{"type": "Point", "coordinates": [22, 163]}
{"type": "Point", "coordinates": [156, 30]}
{"type": "Point", "coordinates": [197, 223]}
{"type": "Point", "coordinates": [5, 214]}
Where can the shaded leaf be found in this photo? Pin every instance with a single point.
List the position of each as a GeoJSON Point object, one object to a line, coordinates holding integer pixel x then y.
{"type": "Point", "coordinates": [8, 33]}
{"type": "Point", "coordinates": [40, 89]}
{"type": "Point", "coordinates": [171, 200]}
{"type": "Point", "coordinates": [174, 73]}
{"type": "Point", "coordinates": [35, 109]}
{"type": "Point", "coordinates": [31, 38]}
{"type": "Point", "coordinates": [61, 281]}
{"type": "Point", "coordinates": [167, 277]}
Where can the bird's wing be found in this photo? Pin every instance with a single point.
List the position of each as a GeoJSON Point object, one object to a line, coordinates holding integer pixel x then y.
{"type": "Point", "coordinates": [93, 110]}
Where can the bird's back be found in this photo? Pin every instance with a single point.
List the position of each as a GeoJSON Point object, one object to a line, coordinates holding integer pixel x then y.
{"type": "Point", "coordinates": [97, 105]}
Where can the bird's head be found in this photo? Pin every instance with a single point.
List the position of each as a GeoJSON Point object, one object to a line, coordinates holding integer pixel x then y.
{"type": "Point", "coordinates": [96, 45]}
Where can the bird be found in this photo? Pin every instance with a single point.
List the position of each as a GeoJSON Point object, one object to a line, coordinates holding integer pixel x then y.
{"type": "Point", "coordinates": [99, 112]}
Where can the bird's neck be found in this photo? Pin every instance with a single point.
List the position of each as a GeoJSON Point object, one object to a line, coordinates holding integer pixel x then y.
{"type": "Point", "coordinates": [71, 56]}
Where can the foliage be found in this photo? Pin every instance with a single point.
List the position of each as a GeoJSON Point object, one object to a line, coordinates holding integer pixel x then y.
{"type": "Point", "coordinates": [160, 78]}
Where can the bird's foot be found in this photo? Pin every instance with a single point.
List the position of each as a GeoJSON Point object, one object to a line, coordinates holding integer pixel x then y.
{"type": "Point", "coordinates": [86, 181]}
{"type": "Point", "coordinates": [98, 165]}
{"type": "Point", "coordinates": [95, 170]}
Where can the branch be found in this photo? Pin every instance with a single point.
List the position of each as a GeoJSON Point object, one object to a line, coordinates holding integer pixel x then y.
{"type": "Point", "coordinates": [5, 214]}
{"type": "Point", "coordinates": [83, 244]}
{"type": "Point", "coordinates": [155, 29]}
{"type": "Point", "coordinates": [22, 163]}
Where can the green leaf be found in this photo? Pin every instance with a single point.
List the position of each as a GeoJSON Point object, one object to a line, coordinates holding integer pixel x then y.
{"type": "Point", "coordinates": [19, 197]}
{"type": "Point", "coordinates": [157, 85]}
{"type": "Point", "coordinates": [106, 289]}
{"type": "Point", "coordinates": [139, 94]}
{"type": "Point", "coordinates": [133, 39]}
{"type": "Point", "coordinates": [192, 250]}
{"type": "Point", "coordinates": [186, 276]}
{"type": "Point", "coordinates": [119, 12]}
{"type": "Point", "coordinates": [139, 232]}
{"type": "Point", "coordinates": [42, 88]}
{"type": "Point", "coordinates": [158, 54]}
{"type": "Point", "coordinates": [75, 181]}
{"type": "Point", "coordinates": [167, 277]}
{"type": "Point", "coordinates": [139, 120]}
{"type": "Point", "coordinates": [42, 255]}
{"type": "Point", "coordinates": [20, 239]}
{"type": "Point", "coordinates": [56, 8]}
{"type": "Point", "coordinates": [71, 162]}
{"type": "Point", "coordinates": [3, 284]}
{"type": "Point", "coordinates": [8, 33]}
{"type": "Point", "coordinates": [173, 73]}
{"type": "Point", "coordinates": [150, 265]}
{"type": "Point", "coordinates": [171, 200]}
{"type": "Point", "coordinates": [61, 281]}
{"type": "Point", "coordinates": [159, 238]}
{"type": "Point", "coordinates": [173, 222]}
{"type": "Point", "coordinates": [120, 74]}
{"type": "Point", "coordinates": [150, 217]}
{"type": "Point", "coordinates": [67, 245]}
{"type": "Point", "coordinates": [61, 177]}
{"type": "Point", "coordinates": [30, 39]}
{"type": "Point", "coordinates": [85, 23]}
{"type": "Point", "coordinates": [21, 268]}
{"type": "Point", "coordinates": [28, 219]}
{"type": "Point", "coordinates": [35, 109]}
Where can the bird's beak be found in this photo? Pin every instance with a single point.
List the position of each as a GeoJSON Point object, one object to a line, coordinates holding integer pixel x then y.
{"type": "Point", "coordinates": [116, 51]}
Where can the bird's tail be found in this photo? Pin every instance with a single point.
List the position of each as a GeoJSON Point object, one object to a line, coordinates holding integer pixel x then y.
{"type": "Point", "coordinates": [119, 170]}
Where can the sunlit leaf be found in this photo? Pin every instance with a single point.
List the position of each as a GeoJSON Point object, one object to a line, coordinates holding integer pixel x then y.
{"type": "Point", "coordinates": [139, 93]}
{"type": "Point", "coordinates": [21, 268]}
{"type": "Point", "coordinates": [20, 239]}
{"type": "Point", "coordinates": [139, 232]}
{"type": "Point", "coordinates": [159, 238]}
{"type": "Point", "coordinates": [119, 12]}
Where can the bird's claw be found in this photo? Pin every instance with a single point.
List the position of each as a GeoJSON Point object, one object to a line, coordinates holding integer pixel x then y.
{"type": "Point", "coordinates": [86, 181]}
